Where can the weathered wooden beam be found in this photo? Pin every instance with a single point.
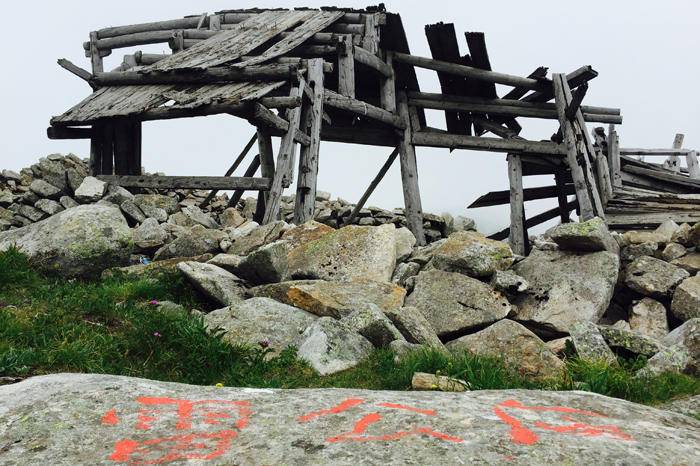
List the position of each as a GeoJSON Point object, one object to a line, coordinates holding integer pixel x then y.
{"type": "Point", "coordinates": [373, 61]}
{"type": "Point", "coordinates": [365, 136]}
{"type": "Point", "coordinates": [189, 182]}
{"type": "Point", "coordinates": [250, 172]}
{"type": "Point", "coordinates": [576, 101]}
{"type": "Point", "coordinates": [387, 91]}
{"type": "Point", "coordinates": [674, 161]}
{"type": "Point", "coordinates": [208, 76]}
{"type": "Point", "coordinates": [305, 202]}
{"type": "Point", "coordinates": [233, 167]}
{"type": "Point", "coordinates": [68, 65]}
{"type": "Point", "coordinates": [664, 176]}
{"type": "Point", "coordinates": [536, 220]}
{"type": "Point", "coordinates": [471, 72]}
{"type": "Point", "coordinates": [518, 92]}
{"type": "Point", "coordinates": [267, 170]}
{"type": "Point", "coordinates": [529, 194]}
{"type": "Point", "coordinates": [184, 23]}
{"type": "Point", "coordinates": [563, 190]}
{"type": "Point", "coordinates": [359, 107]}
{"type": "Point", "coordinates": [94, 54]}
{"type": "Point", "coordinates": [626, 151]}
{"type": "Point", "coordinates": [458, 141]}
{"type": "Point", "coordinates": [572, 151]}
{"type": "Point", "coordinates": [693, 166]}
{"type": "Point", "coordinates": [517, 237]}
{"type": "Point", "coordinates": [346, 67]}
{"type": "Point", "coordinates": [372, 186]}
{"type": "Point", "coordinates": [614, 157]}
{"type": "Point", "coordinates": [57, 132]}
{"type": "Point", "coordinates": [574, 79]}
{"type": "Point", "coordinates": [409, 174]}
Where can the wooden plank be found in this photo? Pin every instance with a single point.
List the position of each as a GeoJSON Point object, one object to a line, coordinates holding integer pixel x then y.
{"type": "Point", "coordinates": [277, 72]}
{"type": "Point", "coordinates": [316, 22]}
{"type": "Point", "coordinates": [614, 157]}
{"type": "Point", "coordinates": [582, 192]}
{"type": "Point", "coordinates": [518, 92]}
{"type": "Point", "coordinates": [285, 156]}
{"type": "Point", "coordinates": [387, 92]}
{"type": "Point", "coordinates": [693, 166]}
{"type": "Point", "coordinates": [529, 194]}
{"type": "Point", "coordinates": [233, 167]}
{"type": "Point", "coordinates": [358, 107]}
{"type": "Point", "coordinates": [409, 175]}
{"type": "Point", "coordinates": [667, 177]}
{"type": "Point", "coordinates": [517, 235]}
{"type": "Point", "coordinates": [68, 65]}
{"type": "Point", "coordinates": [123, 145]}
{"type": "Point", "coordinates": [458, 141]}
{"type": "Point", "coordinates": [189, 182]}
{"type": "Point", "coordinates": [575, 79]}
{"type": "Point", "coordinates": [346, 67]}
{"type": "Point", "coordinates": [305, 202]}
{"type": "Point", "coordinates": [536, 220]}
{"type": "Point", "coordinates": [184, 23]}
{"type": "Point", "coordinates": [96, 135]}
{"type": "Point", "coordinates": [674, 161]}
{"type": "Point", "coordinates": [372, 186]}
{"type": "Point", "coordinates": [53, 132]}
{"type": "Point", "coordinates": [370, 34]}
{"type": "Point", "coordinates": [563, 190]}
{"type": "Point", "coordinates": [470, 72]}
{"type": "Point", "coordinates": [267, 170]}
{"type": "Point", "coordinates": [627, 151]}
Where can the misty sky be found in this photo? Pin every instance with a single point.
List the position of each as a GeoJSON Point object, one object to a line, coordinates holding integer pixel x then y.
{"type": "Point", "coordinates": [645, 51]}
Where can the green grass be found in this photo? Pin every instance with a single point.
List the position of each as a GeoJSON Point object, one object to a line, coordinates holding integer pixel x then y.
{"type": "Point", "coordinates": [48, 325]}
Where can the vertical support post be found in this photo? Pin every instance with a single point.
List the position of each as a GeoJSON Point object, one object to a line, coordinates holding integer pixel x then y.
{"type": "Point", "coordinates": [305, 203]}
{"type": "Point", "coordinates": [284, 158]}
{"type": "Point", "coordinates": [693, 166]}
{"type": "Point", "coordinates": [215, 23]}
{"type": "Point", "coordinates": [674, 161]}
{"type": "Point", "coordinates": [561, 198]}
{"type": "Point", "coordinates": [267, 170]}
{"type": "Point", "coordinates": [123, 145]}
{"type": "Point", "coordinates": [409, 174]}
{"type": "Point", "coordinates": [517, 237]}
{"type": "Point", "coordinates": [96, 149]}
{"type": "Point", "coordinates": [136, 160]}
{"type": "Point", "coordinates": [370, 40]}
{"type": "Point", "coordinates": [388, 90]}
{"type": "Point", "coordinates": [95, 57]}
{"type": "Point", "coordinates": [107, 143]}
{"type": "Point", "coordinates": [346, 65]}
{"type": "Point", "coordinates": [584, 200]}
{"type": "Point", "coordinates": [614, 156]}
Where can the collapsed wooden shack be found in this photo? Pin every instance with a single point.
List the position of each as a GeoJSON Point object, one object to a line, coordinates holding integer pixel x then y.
{"type": "Point", "coordinates": [341, 75]}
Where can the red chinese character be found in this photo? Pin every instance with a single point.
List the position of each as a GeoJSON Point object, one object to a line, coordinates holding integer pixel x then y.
{"type": "Point", "coordinates": [359, 432]}
{"type": "Point", "coordinates": [192, 437]}
{"type": "Point", "coordinates": [521, 434]}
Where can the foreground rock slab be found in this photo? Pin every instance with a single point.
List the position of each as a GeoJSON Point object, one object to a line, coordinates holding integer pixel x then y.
{"type": "Point", "coordinates": [93, 419]}
{"type": "Point", "coordinates": [79, 242]}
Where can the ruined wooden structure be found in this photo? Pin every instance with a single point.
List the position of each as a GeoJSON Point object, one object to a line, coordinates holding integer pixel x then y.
{"type": "Point", "coordinates": [341, 75]}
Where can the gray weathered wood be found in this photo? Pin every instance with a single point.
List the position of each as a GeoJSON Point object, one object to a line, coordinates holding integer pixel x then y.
{"type": "Point", "coordinates": [572, 151]}
{"type": "Point", "coordinates": [371, 60]}
{"type": "Point", "coordinates": [387, 93]}
{"type": "Point", "coordinates": [517, 234]}
{"type": "Point", "coordinates": [409, 174]}
{"type": "Point", "coordinates": [674, 161]}
{"type": "Point", "coordinates": [668, 177]}
{"type": "Point", "coordinates": [693, 166]}
{"type": "Point", "coordinates": [562, 197]}
{"type": "Point", "coordinates": [372, 186]}
{"type": "Point", "coordinates": [68, 65]}
{"type": "Point", "coordinates": [358, 107]}
{"type": "Point", "coordinates": [370, 34]}
{"type": "Point", "coordinates": [209, 76]}
{"type": "Point", "coordinates": [529, 194]}
{"type": "Point", "coordinates": [267, 170]}
{"type": "Point", "coordinates": [627, 151]}
{"type": "Point", "coordinates": [189, 182]}
{"type": "Point", "coordinates": [346, 66]}
{"type": "Point", "coordinates": [250, 172]}
{"type": "Point", "coordinates": [536, 220]}
{"type": "Point", "coordinates": [458, 141]}
{"type": "Point", "coordinates": [53, 132]}
{"type": "Point", "coordinates": [305, 201]}
{"type": "Point", "coordinates": [614, 157]}
{"type": "Point", "coordinates": [95, 57]}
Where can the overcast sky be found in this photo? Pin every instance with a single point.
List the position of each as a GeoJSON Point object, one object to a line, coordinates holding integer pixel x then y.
{"type": "Point", "coordinates": [645, 51]}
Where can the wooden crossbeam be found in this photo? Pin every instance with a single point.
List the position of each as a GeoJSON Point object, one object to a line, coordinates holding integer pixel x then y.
{"type": "Point", "coordinates": [529, 194]}
{"type": "Point", "coordinates": [458, 141]}
{"type": "Point", "coordinates": [358, 107]}
{"type": "Point", "coordinates": [536, 220]}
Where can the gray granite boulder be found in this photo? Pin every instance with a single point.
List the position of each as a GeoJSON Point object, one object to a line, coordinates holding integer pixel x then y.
{"type": "Point", "coordinates": [648, 317]}
{"type": "Point", "coordinates": [150, 235]}
{"type": "Point", "coordinates": [517, 346]}
{"type": "Point", "coordinates": [43, 189]}
{"type": "Point", "coordinates": [193, 242]}
{"type": "Point", "coordinates": [509, 283]}
{"type": "Point", "coordinates": [472, 254]}
{"type": "Point", "coordinates": [374, 325]}
{"type": "Point", "coordinates": [454, 303]}
{"type": "Point", "coordinates": [687, 337]}
{"type": "Point", "coordinates": [156, 201]}
{"type": "Point", "coordinates": [589, 236]}
{"type": "Point", "coordinates": [690, 263]}
{"type": "Point", "coordinates": [255, 237]}
{"type": "Point", "coordinates": [260, 321]}
{"type": "Point", "coordinates": [565, 288]}
{"type": "Point", "coordinates": [686, 299]}
{"type": "Point", "coordinates": [267, 264]}
{"type": "Point", "coordinates": [132, 211]}
{"type": "Point", "coordinates": [90, 190]}
{"type": "Point", "coordinates": [331, 346]}
{"type": "Point", "coordinates": [653, 277]}
{"type": "Point", "coordinates": [618, 338]}
{"type": "Point", "coordinates": [196, 215]}
{"type": "Point", "coordinates": [214, 282]}
{"type": "Point", "coordinates": [49, 206]}
{"type": "Point", "coordinates": [79, 242]}
{"type": "Point", "coordinates": [589, 343]}
{"type": "Point", "coordinates": [70, 419]}
{"type": "Point", "coordinates": [415, 327]}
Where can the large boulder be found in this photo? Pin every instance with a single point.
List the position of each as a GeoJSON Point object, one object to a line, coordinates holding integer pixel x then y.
{"type": "Point", "coordinates": [648, 317]}
{"type": "Point", "coordinates": [331, 346]}
{"type": "Point", "coordinates": [653, 277]}
{"type": "Point", "coordinates": [347, 254]}
{"type": "Point", "coordinates": [686, 299]}
{"type": "Point", "coordinates": [253, 238]}
{"type": "Point", "coordinates": [517, 346]}
{"type": "Point", "coordinates": [687, 338]}
{"type": "Point", "coordinates": [472, 254]}
{"type": "Point", "coordinates": [43, 189]}
{"type": "Point", "coordinates": [589, 343]}
{"type": "Point", "coordinates": [374, 325]}
{"type": "Point", "coordinates": [70, 419]}
{"type": "Point", "coordinates": [305, 233]}
{"type": "Point", "coordinates": [90, 190]}
{"type": "Point", "coordinates": [565, 288]}
{"type": "Point", "coordinates": [334, 299]}
{"type": "Point", "coordinates": [150, 235]}
{"type": "Point", "coordinates": [260, 321]}
{"type": "Point", "coordinates": [454, 303]}
{"type": "Point", "coordinates": [618, 338]}
{"type": "Point", "coordinates": [415, 327]}
{"type": "Point", "coordinates": [79, 242]}
{"type": "Point", "coordinates": [589, 236]}
{"type": "Point", "coordinates": [193, 242]}
{"type": "Point", "coordinates": [214, 282]}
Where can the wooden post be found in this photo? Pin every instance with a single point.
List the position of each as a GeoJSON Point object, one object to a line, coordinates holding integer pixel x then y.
{"type": "Point", "coordinates": [674, 161]}
{"type": "Point", "coordinates": [267, 170]}
{"type": "Point", "coordinates": [584, 200]}
{"type": "Point", "coordinates": [372, 186]}
{"type": "Point", "coordinates": [388, 90]}
{"type": "Point", "coordinates": [693, 166]}
{"type": "Point", "coordinates": [409, 174]}
{"type": "Point", "coordinates": [95, 57]}
{"type": "Point", "coordinates": [284, 157]}
{"type": "Point", "coordinates": [517, 234]}
{"type": "Point", "coordinates": [123, 145]}
{"type": "Point", "coordinates": [305, 203]}
{"type": "Point", "coordinates": [614, 157]}
{"type": "Point", "coordinates": [96, 149]}
{"type": "Point", "coordinates": [370, 41]}
{"type": "Point", "coordinates": [561, 198]}
{"type": "Point", "coordinates": [346, 66]}
{"type": "Point", "coordinates": [107, 143]}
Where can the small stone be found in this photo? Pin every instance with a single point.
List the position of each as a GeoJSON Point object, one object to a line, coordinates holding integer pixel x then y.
{"type": "Point", "coordinates": [653, 277]}
{"type": "Point", "coordinates": [673, 251]}
{"type": "Point", "coordinates": [689, 263]}
{"type": "Point", "coordinates": [330, 346]}
{"type": "Point", "coordinates": [374, 325]}
{"type": "Point", "coordinates": [6, 198]}
{"type": "Point", "coordinates": [403, 272]}
{"type": "Point", "coordinates": [559, 345]}
{"type": "Point", "coordinates": [214, 282]}
{"type": "Point", "coordinates": [440, 383]}
{"type": "Point", "coordinates": [686, 299]}
{"type": "Point", "coordinates": [74, 179]}
{"type": "Point", "coordinates": [90, 190]}
{"type": "Point", "coordinates": [29, 198]}
{"type": "Point", "coordinates": [630, 341]}
{"type": "Point", "coordinates": [415, 327]}
{"type": "Point", "coordinates": [195, 214]}
{"type": "Point", "coordinates": [10, 175]}
{"type": "Point", "coordinates": [589, 343]}
{"type": "Point", "coordinates": [682, 235]}
{"type": "Point", "coordinates": [648, 317]}
{"type": "Point", "coordinates": [117, 194]}
{"type": "Point", "coordinates": [68, 202]}
{"type": "Point", "coordinates": [687, 337]}
{"type": "Point", "coordinates": [150, 235]}
{"type": "Point", "coordinates": [267, 264]}
{"type": "Point", "coordinates": [154, 212]}
{"type": "Point", "coordinates": [644, 236]}
{"type": "Point", "coordinates": [167, 203]}
{"type": "Point", "coordinates": [472, 254]}
{"type": "Point", "coordinates": [132, 212]}
{"type": "Point", "coordinates": [43, 189]}
{"type": "Point", "coordinates": [49, 206]}
{"type": "Point", "coordinates": [323, 196]}
{"type": "Point", "coordinates": [192, 242]}
{"type": "Point", "coordinates": [589, 236]}
{"type": "Point", "coordinates": [257, 237]}
{"type": "Point", "coordinates": [635, 251]}
{"type": "Point", "coordinates": [32, 213]}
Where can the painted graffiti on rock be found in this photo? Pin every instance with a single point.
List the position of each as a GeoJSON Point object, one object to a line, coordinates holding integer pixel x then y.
{"type": "Point", "coordinates": [359, 432]}
{"type": "Point", "coordinates": [516, 414]}
{"type": "Point", "coordinates": [200, 430]}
